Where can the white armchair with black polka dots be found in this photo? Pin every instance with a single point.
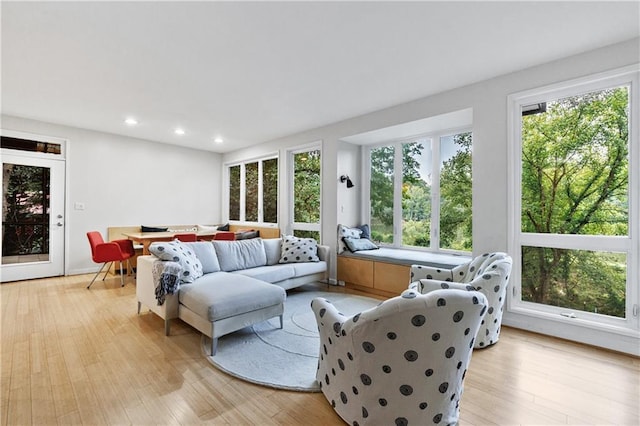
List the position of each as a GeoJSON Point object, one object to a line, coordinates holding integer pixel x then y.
{"type": "Point", "coordinates": [402, 362]}
{"type": "Point", "coordinates": [488, 274]}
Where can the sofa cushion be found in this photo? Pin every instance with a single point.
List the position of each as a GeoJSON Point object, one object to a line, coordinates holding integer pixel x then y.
{"type": "Point", "coordinates": [182, 254]}
{"type": "Point", "coordinates": [302, 269]}
{"type": "Point", "coordinates": [244, 254]}
{"type": "Point", "coordinates": [270, 274]}
{"type": "Point", "coordinates": [296, 249]}
{"type": "Point", "coordinates": [272, 249]}
{"type": "Point", "coordinates": [222, 295]}
{"type": "Point", "coordinates": [206, 254]}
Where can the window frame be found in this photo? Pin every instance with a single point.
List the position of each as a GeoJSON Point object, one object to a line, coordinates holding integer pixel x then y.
{"type": "Point", "coordinates": [227, 191]}
{"type": "Point", "coordinates": [630, 324]}
{"type": "Point", "coordinates": [301, 226]}
{"type": "Point", "coordinates": [434, 139]}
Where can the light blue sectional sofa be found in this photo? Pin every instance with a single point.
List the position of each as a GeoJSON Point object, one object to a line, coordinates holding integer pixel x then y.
{"type": "Point", "coordinates": [224, 286]}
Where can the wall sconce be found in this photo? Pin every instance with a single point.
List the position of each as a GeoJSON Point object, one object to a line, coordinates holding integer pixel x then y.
{"type": "Point", "coordinates": [345, 178]}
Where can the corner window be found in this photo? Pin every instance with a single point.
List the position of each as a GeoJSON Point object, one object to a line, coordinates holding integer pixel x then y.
{"type": "Point", "coordinates": [420, 192]}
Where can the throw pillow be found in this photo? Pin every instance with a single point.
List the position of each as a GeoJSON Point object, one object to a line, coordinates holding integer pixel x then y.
{"type": "Point", "coordinates": [178, 252]}
{"type": "Point", "coordinates": [206, 255]}
{"type": "Point", "coordinates": [152, 229]}
{"type": "Point", "coordinates": [344, 231]}
{"type": "Point", "coordinates": [296, 250]}
{"type": "Point", "coordinates": [205, 228]}
{"type": "Point", "coordinates": [247, 234]}
{"type": "Point", "coordinates": [358, 244]}
{"type": "Point", "coordinates": [272, 247]}
{"type": "Point", "coordinates": [243, 254]}
{"type": "Point", "coordinates": [366, 232]}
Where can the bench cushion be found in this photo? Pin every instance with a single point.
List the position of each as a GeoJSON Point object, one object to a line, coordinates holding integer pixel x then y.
{"type": "Point", "coordinates": [410, 257]}
{"type": "Point", "coordinates": [222, 295]}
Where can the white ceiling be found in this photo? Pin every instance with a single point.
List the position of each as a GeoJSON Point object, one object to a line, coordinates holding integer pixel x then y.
{"type": "Point", "coordinates": [251, 72]}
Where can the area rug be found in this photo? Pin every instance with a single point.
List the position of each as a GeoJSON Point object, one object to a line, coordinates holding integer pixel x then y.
{"type": "Point", "coordinates": [281, 358]}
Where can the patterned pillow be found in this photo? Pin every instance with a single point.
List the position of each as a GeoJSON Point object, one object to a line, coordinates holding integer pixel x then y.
{"type": "Point", "coordinates": [177, 252]}
{"type": "Point", "coordinates": [295, 250]}
{"type": "Point", "coordinates": [344, 231]}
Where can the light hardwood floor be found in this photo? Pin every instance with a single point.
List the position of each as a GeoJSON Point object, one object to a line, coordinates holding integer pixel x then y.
{"type": "Point", "coordinates": [77, 356]}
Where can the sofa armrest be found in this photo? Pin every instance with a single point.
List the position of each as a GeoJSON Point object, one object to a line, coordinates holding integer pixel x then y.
{"type": "Point", "coordinates": [146, 291]}
{"type": "Point", "coordinates": [419, 272]}
{"type": "Point", "coordinates": [425, 286]}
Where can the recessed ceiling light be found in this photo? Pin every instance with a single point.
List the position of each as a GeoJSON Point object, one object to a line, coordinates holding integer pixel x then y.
{"type": "Point", "coordinates": [218, 140]}
{"type": "Point", "coordinates": [131, 121]}
{"type": "Point", "coordinates": [179, 131]}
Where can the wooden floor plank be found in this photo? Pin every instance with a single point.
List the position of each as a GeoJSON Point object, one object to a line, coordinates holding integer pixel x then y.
{"type": "Point", "coordinates": [75, 356]}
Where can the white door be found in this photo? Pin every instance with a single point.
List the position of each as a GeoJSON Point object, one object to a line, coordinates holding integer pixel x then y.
{"type": "Point", "coordinates": [33, 217]}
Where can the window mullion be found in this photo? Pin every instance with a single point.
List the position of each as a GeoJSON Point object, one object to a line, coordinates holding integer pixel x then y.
{"type": "Point", "coordinates": [243, 191]}
{"type": "Point", "coordinates": [260, 191]}
{"type": "Point", "coordinates": [435, 192]}
{"type": "Point", "coordinates": [397, 195]}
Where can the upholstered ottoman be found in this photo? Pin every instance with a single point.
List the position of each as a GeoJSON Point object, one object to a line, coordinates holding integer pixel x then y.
{"type": "Point", "coordinates": [220, 303]}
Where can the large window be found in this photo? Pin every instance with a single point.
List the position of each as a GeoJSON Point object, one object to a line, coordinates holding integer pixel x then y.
{"type": "Point", "coordinates": [305, 193]}
{"type": "Point", "coordinates": [420, 192]}
{"type": "Point", "coordinates": [253, 191]}
{"type": "Point", "coordinates": [576, 209]}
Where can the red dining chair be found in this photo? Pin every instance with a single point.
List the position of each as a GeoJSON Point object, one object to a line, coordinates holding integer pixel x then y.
{"type": "Point", "coordinates": [186, 238]}
{"type": "Point", "coordinates": [224, 235]}
{"type": "Point", "coordinates": [117, 250]}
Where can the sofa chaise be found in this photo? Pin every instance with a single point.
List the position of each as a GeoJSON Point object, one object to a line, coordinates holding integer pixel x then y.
{"type": "Point", "coordinates": [222, 286]}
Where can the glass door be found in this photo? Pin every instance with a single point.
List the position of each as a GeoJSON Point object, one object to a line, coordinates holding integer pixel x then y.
{"type": "Point", "coordinates": [32, 217]}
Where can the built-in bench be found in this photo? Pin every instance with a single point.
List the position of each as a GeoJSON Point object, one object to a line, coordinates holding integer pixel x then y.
{"type": "Point", "coordinates": [387, 271]}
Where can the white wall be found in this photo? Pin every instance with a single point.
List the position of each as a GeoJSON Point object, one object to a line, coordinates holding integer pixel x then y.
{"type": "Point", "coordinates": [128, 182]}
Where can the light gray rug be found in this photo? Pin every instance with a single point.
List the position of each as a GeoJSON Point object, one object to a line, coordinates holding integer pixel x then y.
{"type": "Point", "coordinates": [282, 358]}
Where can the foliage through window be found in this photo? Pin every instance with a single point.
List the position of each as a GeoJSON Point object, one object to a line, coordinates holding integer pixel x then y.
{"type": "Point", "coordinates": [434, 196]}
{"type": "Point", "coordinates": [253, 191]}
{"type": "Point", "coordinates": [306, 192]}
{"type": "Point", "coordinates": [574, 203]}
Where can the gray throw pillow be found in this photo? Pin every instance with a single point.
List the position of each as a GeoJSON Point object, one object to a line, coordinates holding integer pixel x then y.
{"type": "Point", "coordinates": [358, 244]}
{"type": "Point", "coordinates": [295, 250]}
{"type": "Point", "coordinates": [180, 253]}
{"type": "Point", "coordinates": [272, 250]}
{"type": "Point", "coordinates": [206, 254]}
{"type": "Point", "coordinates": [243, 254]}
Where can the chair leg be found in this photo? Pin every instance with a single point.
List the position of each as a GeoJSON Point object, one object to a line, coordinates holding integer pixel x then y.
{"type": "Point", "coordinates": [281, 322]}
{"type": "Point", "coordinates": [214, 346]}
{"type": "Point", "coordinates": [139, 306]}
{"type": "Point", "coordinates": [107, 270]}
{"type": "Point", "coordinates": [121, 276]}
{"type": "Point", "coordinates": [96, 275]}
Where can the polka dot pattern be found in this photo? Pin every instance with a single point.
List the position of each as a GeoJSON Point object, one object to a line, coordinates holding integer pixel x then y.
{"type": "Point", "coordinates": [487, 274]}
{"type": "Point", "coordinates": [402, 362]}
{"type": "Point", "coordinates": [296, 250]}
